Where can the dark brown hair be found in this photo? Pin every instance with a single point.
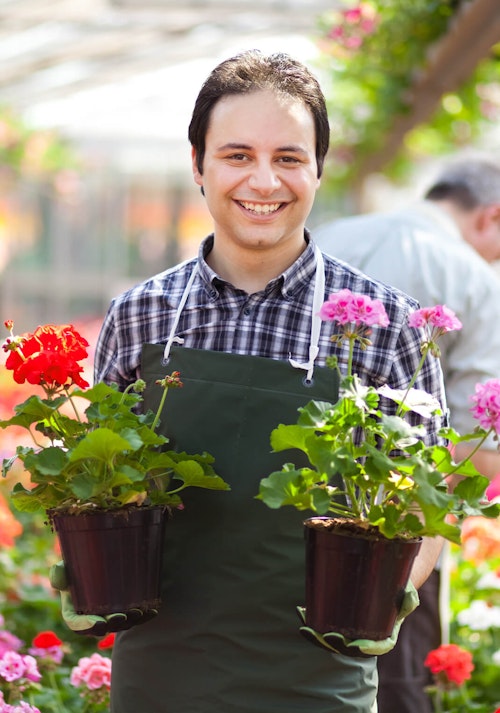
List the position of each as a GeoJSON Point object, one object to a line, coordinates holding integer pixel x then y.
{"type": "Point", "coordinates": [252, 71]}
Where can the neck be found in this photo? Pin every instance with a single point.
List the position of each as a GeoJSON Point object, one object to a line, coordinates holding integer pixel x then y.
{"type": "Point", "coordinates": [458, 215]}
{"type": "Point", "coordinates": [252, 270]}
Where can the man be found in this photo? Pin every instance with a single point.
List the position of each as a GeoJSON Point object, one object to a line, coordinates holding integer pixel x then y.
{"type": "Point", "coordinates": [231, 321]}
{"type": "Point", "coordinates": [438, 252]}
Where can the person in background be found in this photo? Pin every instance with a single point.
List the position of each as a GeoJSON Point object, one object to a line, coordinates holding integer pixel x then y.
{"type": "Point", "coordinates": [242, 317]}
{"type": "Point", "coordinates": [438, 251]}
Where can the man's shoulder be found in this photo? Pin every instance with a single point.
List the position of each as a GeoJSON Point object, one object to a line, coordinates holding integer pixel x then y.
{"type": "Point", "coordinates": [356, 224]}
{"type": "Point", "coordinates": [169, 281]}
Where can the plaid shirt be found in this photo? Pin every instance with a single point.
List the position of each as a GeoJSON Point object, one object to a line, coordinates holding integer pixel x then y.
{"type": "Point", "coordinates": [273, 323]}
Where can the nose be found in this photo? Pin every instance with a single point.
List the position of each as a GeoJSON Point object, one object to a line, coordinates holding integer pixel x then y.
{"type": "Point", "coordinates": [264, 178]}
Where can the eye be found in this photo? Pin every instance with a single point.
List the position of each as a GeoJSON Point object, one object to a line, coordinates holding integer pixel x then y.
{"type": "Point", "coordinates": [288, 159]}
{"type": "Point", "coordinates": [238, 157]}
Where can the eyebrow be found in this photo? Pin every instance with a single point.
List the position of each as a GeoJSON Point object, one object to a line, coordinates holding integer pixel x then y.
{"type": "Point", "coordinates": [292, 148]}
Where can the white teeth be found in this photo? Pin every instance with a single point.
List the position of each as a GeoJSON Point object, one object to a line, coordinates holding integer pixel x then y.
{"type": "Point", "coordinates": [261, 208]}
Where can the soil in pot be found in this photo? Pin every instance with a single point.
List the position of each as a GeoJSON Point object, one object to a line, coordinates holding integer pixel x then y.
{"type": "Point", "coordinates": [355, 578]}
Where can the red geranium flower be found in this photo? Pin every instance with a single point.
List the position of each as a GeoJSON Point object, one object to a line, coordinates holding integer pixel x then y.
{"type": "Point", "coordinates": [107, 642]}
{"type": "Point", "coordinates": [48, 357]}
{"type": "Point", "coordinates": [451, 662]}
{"type": "Point", "coordinates": [46, 639]}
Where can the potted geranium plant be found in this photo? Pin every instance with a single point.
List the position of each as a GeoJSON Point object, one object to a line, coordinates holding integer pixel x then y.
{"type": "Point", "coordinates": [372, 475]}
{"type": "Point", "coordinates": [99, 469]}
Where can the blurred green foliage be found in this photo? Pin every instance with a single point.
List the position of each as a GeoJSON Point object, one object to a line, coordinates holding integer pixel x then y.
{"type": "Point", "coordinates": [475, 606]}
{"type": "Point", "coordinates": [32, 153]}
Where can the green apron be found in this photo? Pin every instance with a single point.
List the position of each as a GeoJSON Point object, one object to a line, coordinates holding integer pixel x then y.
{"type": "Point", "coordinates": [226, 639]}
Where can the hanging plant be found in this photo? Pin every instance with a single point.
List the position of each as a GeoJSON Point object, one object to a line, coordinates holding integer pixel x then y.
{"type": "Point", "coordinates": [372, 53]}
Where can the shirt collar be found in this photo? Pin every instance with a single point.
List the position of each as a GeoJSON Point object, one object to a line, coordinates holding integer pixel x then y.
{"type": "Point", "coordinates": [290, 282]}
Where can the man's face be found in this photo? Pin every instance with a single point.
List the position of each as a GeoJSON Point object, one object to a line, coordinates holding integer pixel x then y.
{"type": "Point", "coordinates": [259, 171]}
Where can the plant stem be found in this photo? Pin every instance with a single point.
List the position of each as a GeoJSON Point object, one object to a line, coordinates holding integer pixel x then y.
{"type": "Point", "coordinates": [413, 379]}
{"type": "Point", "coordinates": [473, 452]}
{"type": "Point", "coordinates": [352, 339]}
{"type": "Point", "coordinates": [73, 405]}
{"type": "Point", "coordinates": [160, 408]}
{"type": "Point", "coordinates": [59, 707]}
{"type": "Point", "coordinates": [352, 496]}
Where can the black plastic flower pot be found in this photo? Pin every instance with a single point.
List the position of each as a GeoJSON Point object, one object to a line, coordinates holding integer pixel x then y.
{"type": "Point", "coordinates": [113, 558]}
{"type": "Point", "coordinates": [355, 580]}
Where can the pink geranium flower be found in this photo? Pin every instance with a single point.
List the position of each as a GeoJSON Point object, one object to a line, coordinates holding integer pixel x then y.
{"type": "Point", "coordinates": [31, 671]}
{"type": "Point", "coordinates": [346, 307]}
{"type": "Point", "coordinates": [9, 642]}
{"type": "Point", "coordinates": [355, 314]}
{"type": "Point", "coordinates": [353, 26]}
{"type": "Point", "coordinates": [19, 707]}
{"type": "Point", "coordinates": [440, 318]}
{"type": "Point", "coordinates": [436, 321]}
{"type": "Point", "coordinates": [493, 489]}
{"type": "Point", "coordinates": [93, 672]}
{"type": "Point", "coordinates": [487, 404]}
{"type": "Point", "coordinates": [14, 666]}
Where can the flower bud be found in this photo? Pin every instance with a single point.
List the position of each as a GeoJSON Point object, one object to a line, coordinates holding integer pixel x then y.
{"type": "Point", "coordinates": [139, 386]}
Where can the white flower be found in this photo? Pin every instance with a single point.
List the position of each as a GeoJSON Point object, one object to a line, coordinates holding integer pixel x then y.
{"type": "Point", "coordinates": [479, 616]}
{"type": "Point", "coordinates": [490, 580]}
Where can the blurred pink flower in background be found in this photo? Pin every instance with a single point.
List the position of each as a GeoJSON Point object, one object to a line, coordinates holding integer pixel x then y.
{"type": "Point", "coordinates": [493, 489]}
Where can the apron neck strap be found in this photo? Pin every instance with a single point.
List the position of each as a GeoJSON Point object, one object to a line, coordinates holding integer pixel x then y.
{"type": "Point", "coordinates": [172, 336]}
{"type": "Point", "coordinates": [318, 299]}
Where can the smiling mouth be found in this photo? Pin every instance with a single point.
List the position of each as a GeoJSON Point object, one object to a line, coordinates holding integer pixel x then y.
{"type": "Point", "coordinates": [261, 208]}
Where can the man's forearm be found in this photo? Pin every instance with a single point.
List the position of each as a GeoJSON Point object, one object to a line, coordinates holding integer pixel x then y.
{"type": "Point", "coordinates": [426, 560]}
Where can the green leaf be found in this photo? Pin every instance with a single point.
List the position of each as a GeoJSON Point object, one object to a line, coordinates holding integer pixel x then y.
{"type": "Point", "coordinates": [402, 432]}
{"type": "Point", "coordinates": [39, 498]}
{"type": "Point", "coordinates": [285, 437]}
{"type": "Point", "coordinates": [48, 461]}
{"type": "Point", "coordinates": [102, 444]}
{"type": "Point", "coordinates": [299, 488]}
{"type": "Point", "coordinates": [33, 410]}
{"type": "Point", "coordinates": [192, 474]}
{"type": "Point", "coordinates": [133, 437]}
{"type": "Point", "coordinates": [84, 486]}
{"type": "Point", "coordinates": [125, 474]}
{"type": "Point", "coordinates": [316, 414]}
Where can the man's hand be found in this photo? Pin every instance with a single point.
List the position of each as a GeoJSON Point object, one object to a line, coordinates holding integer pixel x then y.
{"type": "Point", "coordinates": [339, 644]}
{"type": "Point", "coordinates": [92, 624]}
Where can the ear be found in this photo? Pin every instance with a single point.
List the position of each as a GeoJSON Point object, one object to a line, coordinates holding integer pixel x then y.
{"type": "Point", "coordinates": [198, 178]}
{"type": "Point", "coordinates": [488, 216]}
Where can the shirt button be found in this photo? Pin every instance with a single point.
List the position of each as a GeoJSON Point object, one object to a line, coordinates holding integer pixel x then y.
{"type": "Point", "coordinates": [247, 311]}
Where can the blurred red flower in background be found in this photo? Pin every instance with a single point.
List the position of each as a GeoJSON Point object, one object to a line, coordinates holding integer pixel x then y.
{"type": "Point", "coordinates": [450, 664]}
